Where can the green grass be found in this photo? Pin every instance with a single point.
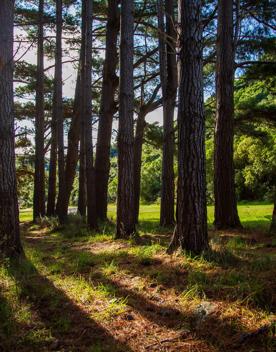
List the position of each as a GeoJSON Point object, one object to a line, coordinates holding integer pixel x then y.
{"type": "Point", "coordinates": [26, 215]}
{"type": "Point", "coordinates": [79, 290]}
{"type": "Point", "coordinates": [253, 215]}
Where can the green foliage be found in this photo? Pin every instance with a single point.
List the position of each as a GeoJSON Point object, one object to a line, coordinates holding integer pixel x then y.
{"type": "Point", "coordinates": [255, 160]}
{"type": "Point", "coordinates": [24, 176]}
{"type": "Point", "coordinates": [210, 170]}
{"type": "Point", "coordinates": [113, 180]}
{"type": "Point", "coordinates": [151, 174]}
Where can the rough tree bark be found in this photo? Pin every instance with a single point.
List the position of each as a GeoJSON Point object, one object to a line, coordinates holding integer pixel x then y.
{"type": "Point", "coordinates": [226, 213]}
{"type": "Point", "coordinates": [10, 245]}
{"type": "Point", "coordinates": [107, 109]}
{"type": "Point", "coordinates": [138, 146]}
{"type": "Point", "coordinates": [51, 200]}
{"type": "Point", "coordinates": [87, 113]}
{"type": "Point", "coordinates": [169, 87]}
{"type": "Point", "coordinates": [39, 176]}
{"type": "Point", "coordinates": [82, 195]}
{"type": "Point", "coordinates": [72, 151]}
{"type": "Point", "coordinates": [191, 228]}
{"type": "Point", "coordinates": [58, 107]}
{"type": "Point", "coordinates": [125, 200]}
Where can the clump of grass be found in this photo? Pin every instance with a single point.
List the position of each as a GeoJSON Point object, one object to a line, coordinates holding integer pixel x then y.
{"type": "Point", "coordinates": [113, 305]}
{"type": "Point", "coordinates": [51, 223]}
{"type": "Point", "coordinates": [144, 254]}
{"type": "Point", "coordinates": [236, 243]}
{"type": "Point", "coordinates": [105, 290]}
{"type": "Point", "coordinates": [253, 293]}
{"type": "Point", "coordinates": [110, 268]}
{"type": "Point", "coordinates": [80, 289]}
{"type": "Point", "coordinates": [75, 227]}
{"type": "Point", "coordinates": [83, 261]}
{"type": "Point", "coordinates": [222, 257]}
{"type": "Point", "coordinates": [196, 262]}
{"type": "Point", "coordinates": [239, 286]}
{"type": "Point", "coordinates": [38, 336]}
{"type": "Point", "coordinates": [230, 278]}
{"type": "Point", "coordinates": [23, 313]}
{"type": "Point", "coordinates": [261, 264]}
{"type": "Point", "coordinates": [197, 277]}
{"type": "Point", "coordinates": [116, 306]}
{"type": "Point", "coordinates": [161, 276]}
{"type": "Point", "coordinates": [196, 286]}
{"type": "Point", "coordinates": [101, 237]}
{"type": "Point", "coordinates": [193, 293]}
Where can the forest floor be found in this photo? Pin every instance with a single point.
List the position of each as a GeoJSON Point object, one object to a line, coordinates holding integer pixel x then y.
{"type": "Point", "coordinates": [78, 291]}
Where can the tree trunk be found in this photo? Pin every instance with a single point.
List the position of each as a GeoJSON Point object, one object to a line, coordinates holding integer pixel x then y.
{"type": "Point", "coordinates": [72, 152]}
{"type": "Point", "coordinates": [58, 108]}
{"type": "Point", "coordinates": [82, 199]}
{"type": "Point", "coordinates": [51, 201]}
{"type": "Point", "coordinates": [226, 214]}
{"type": "Point", "coordinates": [169, 87]}
{"type": "Point", "coordinates": [107, 110]}
{"type": "Point", "coordinates": [10, 245]}
{"type": "Point", "coordinates": [191, 195]}
{"type": "Point", "coordinates": [125, 200]}
{"type": "Point", "coordinates": [138, 146]}
{"type": "Point", "coordinates": [87, 113]}
{"type": "Point", "coordinates": [39, 176]}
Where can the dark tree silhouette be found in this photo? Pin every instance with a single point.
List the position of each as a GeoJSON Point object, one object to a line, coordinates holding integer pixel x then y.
{"type": "Point", "coordinates": [10, 245]}
{"type": "Point", "coordinates": [107, 108]}
{"type": "Point", "coordinates": [125, 197]}
{"type": "Point", "coordinates": [58, 106]}
{"type": "Point", "coordinates": [87, 113]}
{"type": "Point", "coordinates": [168, 76]}
{"type": "Point", "coordinates": [226, 213]}
{"type": "Point", "coordinates": [39, 176]}
{"type": "Point", "coordinates": [191, 229]}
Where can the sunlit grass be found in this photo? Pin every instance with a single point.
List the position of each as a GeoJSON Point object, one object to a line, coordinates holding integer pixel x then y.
{"type": "Point", "coordinates": [105, 279]}
{"type": "Point", "coordinates": [253, 215]}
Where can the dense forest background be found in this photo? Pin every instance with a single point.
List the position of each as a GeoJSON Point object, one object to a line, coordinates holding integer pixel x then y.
{"type": "Point", "coordinates": [254, 144]}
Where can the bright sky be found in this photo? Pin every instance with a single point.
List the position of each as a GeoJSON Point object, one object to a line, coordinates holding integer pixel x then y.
{"type": "Point", "coordinates": [69, 72]}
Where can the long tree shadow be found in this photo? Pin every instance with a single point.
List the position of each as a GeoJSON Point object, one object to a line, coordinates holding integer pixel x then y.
{"type": "Point", "coordinates": [215, 331]}
{"type": "Point", "coordinates": [168, 276]}
{"type": "Point", "coordinates": [219, 333]}
{"type": "Point", "coordinates": [159, 272]}
{"type": "Point", "coordinates": [52, 306]}
{"type": "Point", "coordinates": [9, 326]}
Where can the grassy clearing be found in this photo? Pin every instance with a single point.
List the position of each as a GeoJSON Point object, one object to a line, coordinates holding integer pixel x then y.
{"type": "Point", "coordinates": [253, 215]}
{"type": "Point", "coordinates": [78, 291]}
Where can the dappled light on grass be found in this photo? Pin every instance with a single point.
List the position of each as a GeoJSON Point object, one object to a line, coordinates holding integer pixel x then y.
{"type": "Point", "coordinates": [83, 291]}
{"type": "Point", "coordinates": [57, 321]}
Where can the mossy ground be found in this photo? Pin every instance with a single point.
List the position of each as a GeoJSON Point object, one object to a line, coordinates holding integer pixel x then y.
{"type": "Point", "coordinates": [81, 291]}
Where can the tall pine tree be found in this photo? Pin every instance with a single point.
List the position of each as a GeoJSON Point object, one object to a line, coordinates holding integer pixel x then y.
{"type": "Point", "coordinates": [10, 245]}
